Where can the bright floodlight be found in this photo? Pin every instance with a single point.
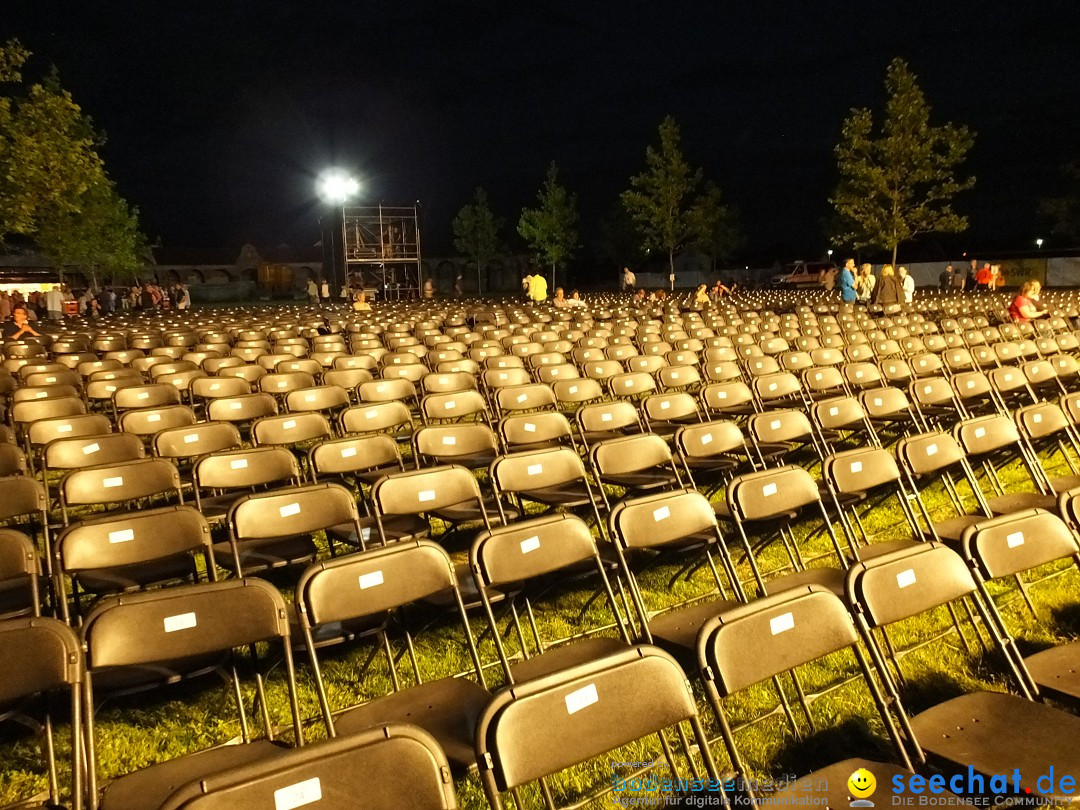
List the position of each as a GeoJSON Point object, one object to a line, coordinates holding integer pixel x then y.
{"type": "Point", "coordinates": [336, 186]}
{"type": "Point", "coordinates": [1038, 243]}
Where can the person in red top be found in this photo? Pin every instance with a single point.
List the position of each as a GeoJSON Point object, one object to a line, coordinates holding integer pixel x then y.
{"type": "Point", "coordinates": [983, 278]}
{"type": "Point", "coordinates": [1026, 305]}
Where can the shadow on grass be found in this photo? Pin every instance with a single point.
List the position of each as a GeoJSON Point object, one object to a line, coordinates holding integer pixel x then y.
{"type": "Point", "coordinates": [1067, 619]}
{"type": "Point", "coordinates": [852, 738]}
{"type": "Point", "coordinates": [930, 689]}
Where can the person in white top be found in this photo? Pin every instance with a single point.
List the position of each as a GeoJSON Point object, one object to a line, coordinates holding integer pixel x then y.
{"type": "Point", "coordinates": [54, 304]}
{"type": "Point", "coordinates": [907, 283]}
{"type": "Point", "coordinates": [629, 280]}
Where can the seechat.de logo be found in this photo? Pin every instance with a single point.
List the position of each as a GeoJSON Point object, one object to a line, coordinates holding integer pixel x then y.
{"type": "Point", "coordinates": [861, 786]}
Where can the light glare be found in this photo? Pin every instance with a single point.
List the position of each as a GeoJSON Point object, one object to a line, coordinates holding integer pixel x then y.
{"type": "Point", "coordinates": [336, 186]}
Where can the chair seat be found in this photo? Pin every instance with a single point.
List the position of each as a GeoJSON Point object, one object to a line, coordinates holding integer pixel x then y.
{"type": "Point", "coordinates": [676, 630]}
{"type": "Point", "coordinates": [1017, 502]}
{"type": "Point", "coordinates": [1065, 483]}
{"type": "Point", "coordinates": [396, 528]}
{"type": "Point", "coordinates": [565, 656]}
{"type": "Point", "coordinates": [470, 595]}
{"type": "Point", "coordinates": [831, 578]}
{"type": "Point", "coordinates": [996, 733]}
{"type": "Point", "coordinates": [830, 783]}
{"type": "Point", "coordinates": [1057, 670]}
{"type": "Point", "coordinates": [125, 577]}
{"type": "Point", "coordinates": [150, 787]}
{"type": "Point", "coordinates": [951, 529]}
{"type": "Point", "coordinates": [872, 550]}
{"type": "Point", "coordinates": [646, 479]}
{"type": "Point", "coordinates": [256, 555]}
{"type": "Point", "coordinates": [447, 709]}
{"type": "Point", "coordinates": [469, 512]}
{"type": "Point", "coordinates": [568, 495]}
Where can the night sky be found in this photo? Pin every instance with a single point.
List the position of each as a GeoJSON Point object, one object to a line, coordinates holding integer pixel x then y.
{"type": "Point", "coordinates": [219, 115]}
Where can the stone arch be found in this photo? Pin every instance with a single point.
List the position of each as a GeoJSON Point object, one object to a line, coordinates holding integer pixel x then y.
{"type": "Point", "coordinates": [193, 275]}
{"type": "Point", "coordinates": [217, 275]}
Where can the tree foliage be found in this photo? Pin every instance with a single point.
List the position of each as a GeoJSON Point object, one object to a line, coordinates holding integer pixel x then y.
{"type": "Point", "coordinates": [48, 148]}
{"type": "Point", "coordinates": [659, 198]}
{"type": "Point", "coordinates": [899, 182]}
{"type": "Point", "coordinates": [1064, 211]}
{"type": "Point", "coordinates": [551, 228]}
{"type": "Point", "coordinates": [100, 235]}
{"type": "Point", "coordinates": [476, 233]}
{"type": "Point", "coordinates": [714, 225]}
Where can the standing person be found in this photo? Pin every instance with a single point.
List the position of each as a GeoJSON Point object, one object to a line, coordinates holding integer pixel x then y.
{"type": "Point", "coordinates": [185, 298]}
{"type": "Point", "coordinates": [983, 278]}
{"type": "Point", "coordinates": [5, 306]}
{"type": "Point", "coordinates": [888, 289]}
{"type": "Point", "coordinates": [830, 278]}
{"type": "Point", "coordinates": [526, 285]}
{"type": "Point", "coordinates": [1026, 304]}
{"type": "Point", "coordinates": [946, 278]}
{"type": "Point", "coordinates": [958, 281]}
{"type": "Point", "coordinates": [538, 288]}
{"type": "Point", "coordinates": [19, 326]}
{"type": "Point", "coordinates": [629, 280]}
{"type": "Point", "coordinates": [108, 301]}
{"type": "Point", "coordinates": [907, 284]}
{"type": "Point", "coordinates": [54, 303]}
{"type": "Point", "coordinates": [312, 292]}
{"type": "Point", "coordinates": [867, 283]}
{"type": "Point", "coordinates": [325, 291]}
{"type": "Point", "coordinates": [847, 281]}
{"type": "Point", "coordinates": [459, 286]}
{"type": "Point", "coordinates": [969, 281]}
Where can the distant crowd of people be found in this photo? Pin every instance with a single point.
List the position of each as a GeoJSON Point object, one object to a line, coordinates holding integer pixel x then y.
{"type": "Point", "coordinates": [60, 302]}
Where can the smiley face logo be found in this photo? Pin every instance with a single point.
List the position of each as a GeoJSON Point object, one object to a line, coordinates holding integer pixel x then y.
{"type": "Point", "coordinates": [862, 785]}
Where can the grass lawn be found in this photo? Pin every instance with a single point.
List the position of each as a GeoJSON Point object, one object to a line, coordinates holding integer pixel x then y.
{"type": "Point", "coordinates": [136, 731]}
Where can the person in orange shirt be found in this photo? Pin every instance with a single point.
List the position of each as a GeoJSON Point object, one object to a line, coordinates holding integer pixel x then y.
{"type": "Point", "coordinates": [983, 278]}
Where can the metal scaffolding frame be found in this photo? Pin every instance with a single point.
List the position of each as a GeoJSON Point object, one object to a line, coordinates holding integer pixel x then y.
{"type": "Point", "coordinates": [382, 249]}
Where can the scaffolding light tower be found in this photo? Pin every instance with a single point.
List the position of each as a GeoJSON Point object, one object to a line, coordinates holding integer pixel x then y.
{"type": "Point", "coordinates": [382, 249]}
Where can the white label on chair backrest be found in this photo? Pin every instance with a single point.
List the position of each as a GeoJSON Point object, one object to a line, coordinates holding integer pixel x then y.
{"type": "Point", "coordinates": [706, 438]}
{"type": "Point", "coordinates": [191, 438]}
{"type": "Point", "coordinates": [928, 389]}
{"type": "Point", "coordinates": [238, 464]}
{"type": "Point", "coordinates": [1036, 418]}
{"type": "Point", "coordinates": [153, 417]}
{"type": "Point", "coordinates": [522, 397]}
{"type": "Point", "coordinates": [443, 381]}
{"type": "Point", "coordinates": [143, 395]}
{"type": "Point", "coordinates": [931, 449]}
{"type": "Point", "coordinates": [775, 424]}
{"type": "Point", "coordinates": [380, 387]}
{"type": "Point", "coordinates": [215, 386]}
{"type": "Point", "coordinates": [122, 536]}
{"type": "Point", "coordinates": [43, 394]}
{"type": "Point", "coordinates": [450, 405]}
{"type": "Point", "coordinates": [503, 375]}
{"type": "Point", "coordinates": [371, 413]}
{"type": "Point", "coordinates": [772, 386]}
{"type": "Point", "coordinates": [91, 448]}
{"type": "Point", "coordinates": [293, 796]}
{"type": "Point", "coordinates": [63, 428]}
{"type": "Point", "coordinates": [348, 452]}
{"type": "Point", "coordinates": [535, 469]}
{"type": "Point", "coordinates": [109, 388]}
{"type": "Point", "coordinates": [236, 405]}
{"type": "Point", "coordinates": [425, 495]}
{"type": "Point", "coordinates": [834, 411]}
{"type": "Point", "coordinates": [449, 439]}
{"type": "Point", "coordinates": [674, 375]}
{"type": "Point", "coordinates": [109, 483]}
{"type": "Point", "coordinates": [905, 578]}
{"type": "Point", "coordinates": [371, 580]}
{"type": "Point", "coordinates": [309, 397]}
{"type": "Point", "coordinates": [878, 402]}
{"type": "Point", "coordinates": [663, 513]}
{"type": "Point", "coordinates": [768, 489]}
{"type": "Point", "coordinates": [1008, 377]}
{"type": "Point", "coordinates": [530, 544]}
{"type": "Point", "coordinates": [970, 383]}
{"type": "Point", "coordinates": [818, 376]}
{"type": "Point", "coordinates": [665, 405]}
{"type": "Point", "coordinates": [182, 621]}
{"type": "Point", "coordinates": [856, 466]}
{"type": "Point", "coordinates": [289, 510]}
{"type": "Point", "coordinates": [288, 424]}
{"type": "Point", "coordinates": [529, 427]}
{"type": "Point", "coordinates": [721, 394]}
{"type": "Point", "coordinates": [858, 375]}
{"type": "Point", "coordinates": [627, 383]}
{"type": "Point", "coordinates": [980, 432]}
{"type": "Point", "coordinates": [580, 698]}
{"type": "Point", "coordinates": [782, 623]}
{"type": "Point", "coordinates": [50, 379]}
{"type": "Point", "coordinates": [1015, 539]}
{"type": "Point", "coordinates": [572, 389]}
{"type": "Point", "coordinates": [606, 417]}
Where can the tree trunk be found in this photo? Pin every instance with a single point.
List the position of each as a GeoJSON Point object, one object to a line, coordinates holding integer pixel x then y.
{"type": "Point", "coordinates": [553, 278]}
{"type": "Point", "coordinates": [479, 280]}
{"type": "Point", "coordinates": [894, 247]}
{"type": "Point", "coordinates": [671, 269]}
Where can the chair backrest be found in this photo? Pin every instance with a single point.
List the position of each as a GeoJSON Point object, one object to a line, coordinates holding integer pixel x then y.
{"type": "Point", "coordinates": [353, 454]}
{"type": "Point", "coordinates": [537, 469]}
{"type": "Point", "coordinates": [292, 511]}
{"type": "Point", "coordinates": [86, 451]}
{"type": "Point", "coordinates": [656, 520]}
{"type": "Point", "coordinates": [37, 655]}
{"type": "Point", "coordinates": [709, 439]}
{"type": "Point", "coordinates": [20, 569]}
{"type": "Point", "coordinates": [135, 537]}
{"type": "Point", "coordinates": [445, 443]}
{"type": "Point", "coordinates": [243, 408]}
{"type": "Point", "coordinates": [608, 416]}
{"type": "Point", "coordinates": [540, 727]}
{"type": "Point", "coordinates": [630, 454]}
{"type": "Point", "coordinates": [419, 491]}
{"type": "Point", "coordinates": [391, 766]}
{"type": "Point", "coordinates": [928, 453]}
{"type": "Point", "coordinates": [780, 426]}
{"type": "Point", "coordinates": [1011, 544]}
{"type": "Point", "coordinates": [196, 440]}
{"type": "Point", "coordinates": [907, 582]}
{"type": "Point", "coordinates": [1040, 420]}
{"type": "Point", "coordinates": [768, 493]}
{"type": "Point", "coordinates": [145, 396]}
{"type": "Point", "coordinates": [321, 398]}
{"type": "Point", "coordinates": [21, 495]}
{"type": "Point", "coordinates": [784, 630]}
{"type": "Point", "coordinates": [530, 548]}
{"type": "Point", "coordinates": [149, 421]}
{"type": "Point", "coordinates": [372, 417]}
{"type": "Point", "coordinates": [115, 483]}
{"type": "Point", "coordinates": [523, 429]}
{"type": "Point", "coordinates": [986, 434]}
{"type": "Point", "coordinates": [860, 470]}
{"type": "Point", "coordinates": [389, 577]}
{"type": "Point", "coordinates": [290, 429]}
{"type": "Point", "coordinates": [238, 469]}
